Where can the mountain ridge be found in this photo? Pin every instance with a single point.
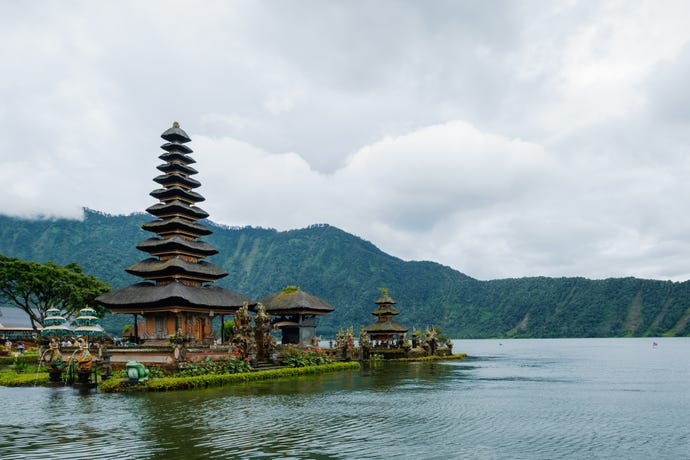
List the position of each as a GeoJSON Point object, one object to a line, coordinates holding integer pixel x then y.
{"type": "Point", "coordinates": [348, 272]}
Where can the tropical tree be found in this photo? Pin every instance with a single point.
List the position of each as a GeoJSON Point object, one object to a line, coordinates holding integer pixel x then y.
{"type": "Point", "coordinates": [227, 329]}
{"type": "Point", "coordinates": [34, 288]}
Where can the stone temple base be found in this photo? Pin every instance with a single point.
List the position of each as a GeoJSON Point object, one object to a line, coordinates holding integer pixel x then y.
{"type": "Point", "coordinates": [163, 356]}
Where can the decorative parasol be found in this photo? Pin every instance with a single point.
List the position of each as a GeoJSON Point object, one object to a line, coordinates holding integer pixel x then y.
{"type": "Point", "coordinates": [55, 324]}
{"type": "Point", "coordinates": [87, 324]}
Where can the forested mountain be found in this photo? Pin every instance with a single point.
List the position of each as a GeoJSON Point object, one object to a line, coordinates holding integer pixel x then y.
{"type": "Point", "coordinates": [348, 272]}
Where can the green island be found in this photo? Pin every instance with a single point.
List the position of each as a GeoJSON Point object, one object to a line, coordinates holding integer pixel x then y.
{"type": "Point", "coordinates": [250, 354]}
{"type": "Point", "coordinates": [23, 370]}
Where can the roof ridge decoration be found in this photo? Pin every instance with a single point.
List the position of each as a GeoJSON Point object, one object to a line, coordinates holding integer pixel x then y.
{"type": "Point", "coordinates": [176, 135]}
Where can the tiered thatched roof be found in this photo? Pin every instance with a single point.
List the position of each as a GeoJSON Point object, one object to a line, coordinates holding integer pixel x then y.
{"type": "Point", "coordinates": [384, 314]}
{"type": "Point", "coordinates": [149, 296]}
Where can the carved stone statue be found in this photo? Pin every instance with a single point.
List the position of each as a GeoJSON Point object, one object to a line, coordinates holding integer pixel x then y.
{"type": "Point", "coordinates": [84, 358]}
{"type": "Point", "coordinates": [53, 359]}
{"type": "Point", "coordinates": [265, 344]}
{"type": "Point", "coordinates": [243, 339]}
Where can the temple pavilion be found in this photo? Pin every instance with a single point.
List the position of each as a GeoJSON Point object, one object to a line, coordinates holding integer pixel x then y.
{"type": "Point", "coordinates": [384, 332]}
{"type": "Point", "coordinates": [294, 312]}
{"type": "Point", "coordinates": [176, 294]}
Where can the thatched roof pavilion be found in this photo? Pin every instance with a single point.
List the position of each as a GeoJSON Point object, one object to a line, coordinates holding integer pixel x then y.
{"type": "Point", "coordinates": [176, 293]}
{"type": "Point", "coordinates": [294, 312]}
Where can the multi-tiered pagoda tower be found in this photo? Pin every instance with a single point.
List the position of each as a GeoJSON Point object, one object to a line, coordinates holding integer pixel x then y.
{"type": "Point", "coordinates": [384, 332]}
{"type": "Point", "coordinates": [177, 292]}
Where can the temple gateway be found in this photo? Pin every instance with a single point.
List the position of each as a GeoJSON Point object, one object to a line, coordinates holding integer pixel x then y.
{"type": "Point", "coordinates": [176, 295]}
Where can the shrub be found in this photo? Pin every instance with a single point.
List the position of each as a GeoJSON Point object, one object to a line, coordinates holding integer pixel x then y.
{"type": "Point", "coordinates": [295, 357]}
{"type": "Point", "coordinates": [208, 366]}
{"type": "Point", "coordinates": [20, 366]}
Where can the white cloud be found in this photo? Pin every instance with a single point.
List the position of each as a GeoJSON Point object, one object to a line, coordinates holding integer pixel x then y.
{"type": "Point", "coordinates": [405, 193]}
{"type": "Point", "coordinates": [245, 185]}
{"type": "Point", "coordinates": [416, 179]}
{"type": "Point", "coordinates": [503, 139]}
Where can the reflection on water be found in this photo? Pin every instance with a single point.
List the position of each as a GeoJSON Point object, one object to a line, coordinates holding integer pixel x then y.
{"type": "Point", "coordinates": [614, 398]}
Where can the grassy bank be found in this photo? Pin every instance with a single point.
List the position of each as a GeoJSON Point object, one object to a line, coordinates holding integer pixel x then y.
{"type": "Point", "coordinates": [21, 370]}
{"type": "Point", "coordinates": [22, 379]}
{"type": "Point", "coordinates": [435, 358]}
{"type": "Point", "coordinates": [114, 385]}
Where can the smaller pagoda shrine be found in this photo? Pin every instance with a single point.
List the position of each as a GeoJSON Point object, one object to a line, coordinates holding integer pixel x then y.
{"type": "Point", "coordinates": [294, 312]}
{"type": "Point", "coordinates": [384, 332]}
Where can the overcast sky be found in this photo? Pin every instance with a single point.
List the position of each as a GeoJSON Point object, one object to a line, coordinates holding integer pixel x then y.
{"type": "Point", "coordinates": [503, 139]}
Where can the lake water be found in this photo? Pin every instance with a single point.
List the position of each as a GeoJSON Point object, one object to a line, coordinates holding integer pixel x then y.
{"type": "Point", "coordinates": [512, 399]}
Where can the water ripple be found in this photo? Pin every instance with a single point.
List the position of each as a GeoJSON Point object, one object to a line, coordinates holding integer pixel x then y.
{"type": "Point", "coordinates": [565, 400]}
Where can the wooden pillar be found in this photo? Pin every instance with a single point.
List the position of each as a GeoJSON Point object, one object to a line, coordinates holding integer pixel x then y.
{"type": "Point", "coordinates": [222, 328]}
